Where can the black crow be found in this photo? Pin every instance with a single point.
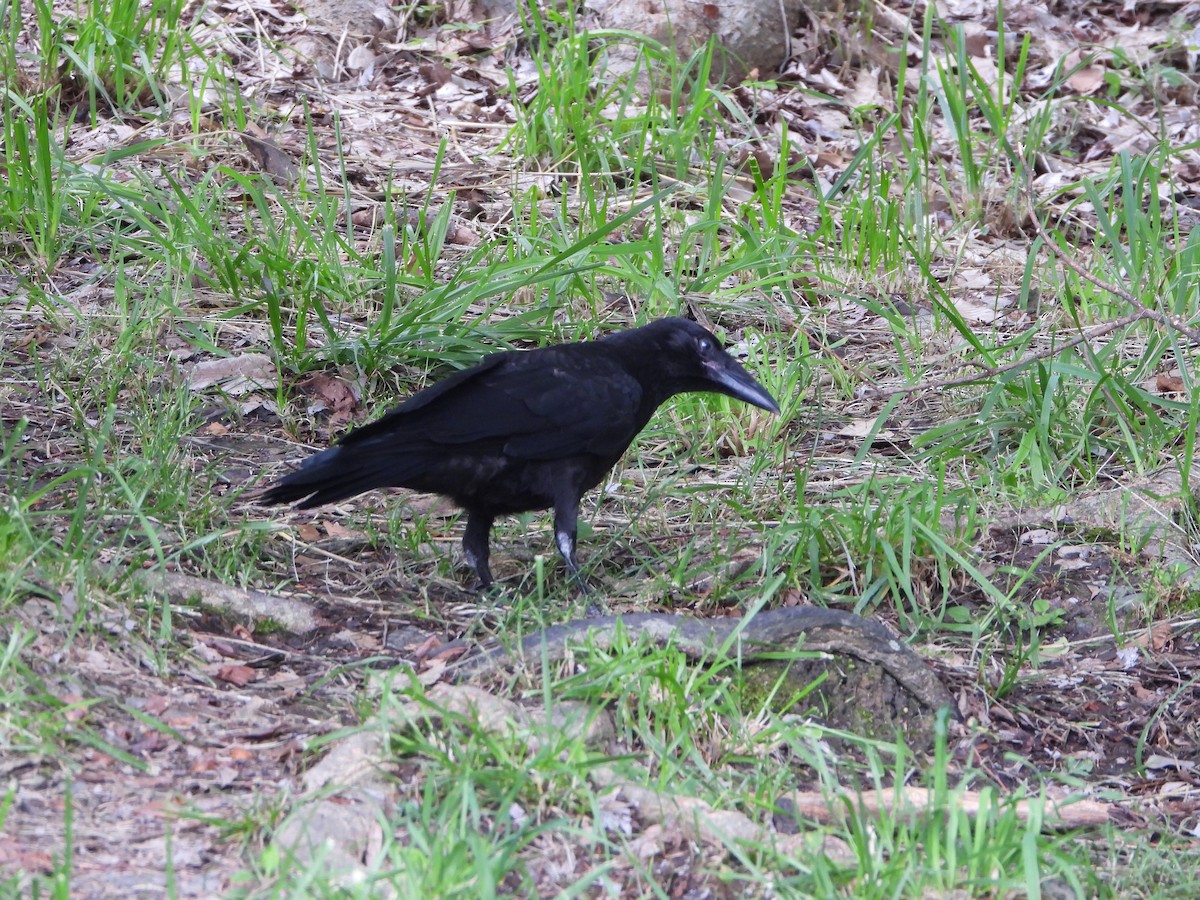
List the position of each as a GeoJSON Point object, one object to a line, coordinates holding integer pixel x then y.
{"type": "Point", "coordinates": [524, 430]}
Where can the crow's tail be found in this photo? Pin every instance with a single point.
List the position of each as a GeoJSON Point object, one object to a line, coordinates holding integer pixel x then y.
{"type": "Point", "coordinates": [332, 475]}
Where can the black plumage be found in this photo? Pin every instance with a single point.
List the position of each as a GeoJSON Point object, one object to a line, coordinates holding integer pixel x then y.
{"type": "Point", "coordinates": [524, 430]}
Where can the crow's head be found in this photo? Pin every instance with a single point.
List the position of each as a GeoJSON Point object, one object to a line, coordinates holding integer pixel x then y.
{"type": "Point", "coordinates": [680, 356]}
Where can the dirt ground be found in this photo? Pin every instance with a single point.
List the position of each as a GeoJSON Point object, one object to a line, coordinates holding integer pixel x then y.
{"type": "Point", "coordinates": [184, 743]}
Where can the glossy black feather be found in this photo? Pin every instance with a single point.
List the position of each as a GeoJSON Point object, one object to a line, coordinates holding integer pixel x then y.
{"type": "Point", "coordinates": [524, 430]}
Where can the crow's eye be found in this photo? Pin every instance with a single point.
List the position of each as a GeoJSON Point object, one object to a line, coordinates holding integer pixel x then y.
{"type": "Point", "coordinates": [704, 345]}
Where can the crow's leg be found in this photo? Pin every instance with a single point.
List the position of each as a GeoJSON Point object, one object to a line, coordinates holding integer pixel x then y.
{"type": "Point", "coordinates": [566, 519]}
{"type": "Point", "coordinates": [475, 544]}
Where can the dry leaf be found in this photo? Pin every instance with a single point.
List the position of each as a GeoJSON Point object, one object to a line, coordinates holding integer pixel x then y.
{"type": "Point", "coordinates": [1087, 80]}
{"type": "Point", "coordinates": [332, 394]}
{"type": "Point", "coordinates": [239, 676]}
{"type": "Point", "coordinates": [1158, 761]}
{"type": "Point", "coordinates": [976, 312]}
{"type": "Point", "coordinates": [1161, 635]}
{"type": "Point", "coordinates": [361, 59]}
{"type": "Point", "coordinates": [427, 647]}
{"type": "Point", "coordinates": [308, 532]}
{"type": "Point", "coordinates": [236, 375]}
{"type": "Point", "coordinates": [432, 673]}
{"type": "Point", "coordinates": [1156, 638]}
{"type": "Point", "coordinates": [462, 236]}
{"type": "Point", "coordinates": [857, 428]}
{"type": "Point", "coordinates": [36, 337]}
{"type": "Point", "coordinates": [334, 530]}
{"type": "Point", "coordinates": [977, 42]}
{"type": "Point", "coordinates": [1169, 384]}
{"type": "Point", "coordinates": [866, 90]}
{"type": "Point", "coordinates": [961, 9]}
{"type": "Point", "coordinates": [267, 155]}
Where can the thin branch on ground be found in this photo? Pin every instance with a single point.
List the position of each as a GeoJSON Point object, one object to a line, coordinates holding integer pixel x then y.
{"type": "Point", "coordinates": [1141, 312]}
{"type": "Point", "coordinates": [992, 371]}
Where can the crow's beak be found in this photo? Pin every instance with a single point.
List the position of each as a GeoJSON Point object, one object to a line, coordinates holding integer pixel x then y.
{"type": "Point", "coordinates": [730, 378]}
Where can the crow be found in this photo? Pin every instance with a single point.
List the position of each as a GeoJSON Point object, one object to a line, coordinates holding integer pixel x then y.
{"type": "Point", "coordinates": [524, 430]}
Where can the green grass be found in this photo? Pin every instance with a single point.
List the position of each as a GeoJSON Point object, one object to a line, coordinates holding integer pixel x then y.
{"type": "Point", "coordinates": [492, 793]}
{"type": "Point", "coordinates": [130, 262]}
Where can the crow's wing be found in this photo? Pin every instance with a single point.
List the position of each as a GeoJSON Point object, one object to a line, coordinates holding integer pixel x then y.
{"type": "Point", "coordinates": [397, 421]}
{"type": "Point", "coordinates": [541, 404]}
